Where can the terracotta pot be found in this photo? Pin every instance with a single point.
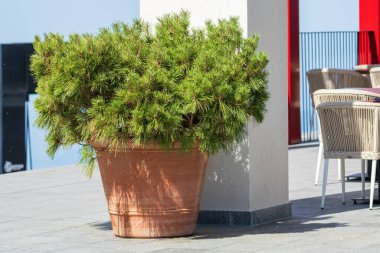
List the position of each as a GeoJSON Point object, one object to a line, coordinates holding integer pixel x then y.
{"type": "Point", "coordinates": [152, 192]}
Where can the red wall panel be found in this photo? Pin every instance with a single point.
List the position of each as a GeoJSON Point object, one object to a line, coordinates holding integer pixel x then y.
{"type": "Point", "coordinates": [294, 122]}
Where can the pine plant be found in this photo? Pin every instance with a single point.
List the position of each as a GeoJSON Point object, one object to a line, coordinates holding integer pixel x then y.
{"type": "Point", "coordinates": [176, 86]}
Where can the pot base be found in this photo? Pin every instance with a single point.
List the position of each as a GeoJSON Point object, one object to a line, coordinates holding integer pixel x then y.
{"type": "Point", "coordinates": [153, 226]}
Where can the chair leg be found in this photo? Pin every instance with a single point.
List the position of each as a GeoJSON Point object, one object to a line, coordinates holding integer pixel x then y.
{"type": "Point", "coordinates": [363, 165]}
{"type": "Point", "coordinates": [339, 170]}
{"type": "Point", "coordinates": [373, 178]}
{"type": "Point", "coordinates": [325, 172]}
{"type": "Point", "coordinates": [342, 172]}
{"type": "Point", "coordinates": [320, 154]}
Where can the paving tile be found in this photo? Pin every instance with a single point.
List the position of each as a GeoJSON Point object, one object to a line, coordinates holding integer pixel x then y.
{"type": "Point", "coordinates": [62, 211]}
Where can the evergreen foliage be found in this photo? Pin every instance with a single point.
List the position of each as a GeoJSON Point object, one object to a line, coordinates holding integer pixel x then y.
{"type": "Point", "coordinates": [174, 86]}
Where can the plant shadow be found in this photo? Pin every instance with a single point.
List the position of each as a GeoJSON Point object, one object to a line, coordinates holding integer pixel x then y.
{"type": "Point", "coordinates": [102, 225]}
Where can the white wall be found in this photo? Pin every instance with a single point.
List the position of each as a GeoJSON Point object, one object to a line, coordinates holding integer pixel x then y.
{"type": "Point", "coordinates": [20, 20]}
{"type": "Point", "coordinates": [255, 176]}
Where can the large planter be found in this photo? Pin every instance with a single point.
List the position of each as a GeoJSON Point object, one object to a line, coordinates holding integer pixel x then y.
{"type": "Point", "coordinates": [152, 192]}
{"type": "Point", "coordinates": [169, 85]}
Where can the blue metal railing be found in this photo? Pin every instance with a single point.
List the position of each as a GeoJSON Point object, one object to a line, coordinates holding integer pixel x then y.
{"type": "Point", "coordinates": [322, 50]}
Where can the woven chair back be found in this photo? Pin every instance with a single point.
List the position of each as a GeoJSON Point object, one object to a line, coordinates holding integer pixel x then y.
{"type": "Point", "coordinates": [350, 129]}
{"type": "Point", "coordinates": [374, 74]}
{"type": "Point", "coordinates": [343, 95]}
{"type": "Point", "coordinates": [335, 79]}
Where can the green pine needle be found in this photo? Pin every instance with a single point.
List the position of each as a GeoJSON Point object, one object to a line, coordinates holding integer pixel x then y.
{"type": "Point", "coordinates": [176, 85]}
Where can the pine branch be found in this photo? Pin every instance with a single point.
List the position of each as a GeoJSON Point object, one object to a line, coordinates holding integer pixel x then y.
{"type": "Point", "coordinates": [178, 85]}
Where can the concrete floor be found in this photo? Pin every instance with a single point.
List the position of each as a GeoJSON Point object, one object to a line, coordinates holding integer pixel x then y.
{"type": "Point", "coordinates": [59, 210]}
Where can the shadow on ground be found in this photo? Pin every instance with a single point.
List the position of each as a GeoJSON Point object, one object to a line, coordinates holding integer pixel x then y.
{"type": "Point", "coordinates": [101, 225]}
{"type": "Point", "coordinates": [307, 217]}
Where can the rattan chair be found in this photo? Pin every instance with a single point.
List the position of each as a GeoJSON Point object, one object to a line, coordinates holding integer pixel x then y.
{"type": "Point", "coordinates": [335, 79]}
{"type": "Point", "coordinates": [350, 130]}
{"type": "Point", "coordinates": [342, 95]}
{"type": "Point", "coordinates": [332, 79]}
{"type": "Point", "coordinates": [364, 69]}
{"type": "Point", "coordinates": [374, 74]}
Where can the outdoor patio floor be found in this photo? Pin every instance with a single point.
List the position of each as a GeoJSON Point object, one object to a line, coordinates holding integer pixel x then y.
{"type": "Point", "coordinates": [60, 210]}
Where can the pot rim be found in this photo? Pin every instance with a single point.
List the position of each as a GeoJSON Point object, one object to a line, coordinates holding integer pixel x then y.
{"type": "Point", "coordinates": [131, 146]}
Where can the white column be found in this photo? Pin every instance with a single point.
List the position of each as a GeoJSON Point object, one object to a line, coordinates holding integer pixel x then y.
{"type": "Point", "coordinates": [269, 141]}
{"type": "Point", "coordinates": [249, 185]}
{"type": "Point", "coordinates": [200, 10]}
